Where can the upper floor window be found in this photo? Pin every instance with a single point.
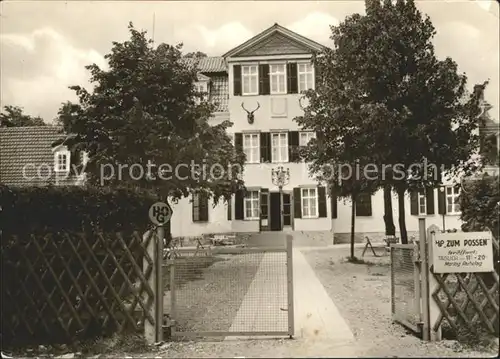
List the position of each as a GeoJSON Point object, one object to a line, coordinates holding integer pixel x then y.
{"type": "Point", "coordinates": [305, 137]}
{"type": "Point", "coordinates": [62, 160]}
{"type": "Point", "coordinates": [306, 76]}
{"type": "Point", "coordinates": [251, 147]}
{"type": "Point", "coordinates": [250, 79]}
{"type": "Point", "coordinates": [277, 77]}
{"type": "Point", "coordinates": [280, 147]}
{"type": "Point", "coordinates": [201, 87]}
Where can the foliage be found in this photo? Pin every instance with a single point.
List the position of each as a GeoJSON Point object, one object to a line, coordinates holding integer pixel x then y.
{"type": "Point", "coordinates": [13, 116]}
{"type": "Point", "coordinates": [43, 210]}
{"type": "Point", "coordinates": [197, 54]}
{"type": "Point", "coordinates": [144, 111]}
{"type": "Point", "coordinates": [480, 204]}
{"type": "Point", "coordinates": [385, 97]}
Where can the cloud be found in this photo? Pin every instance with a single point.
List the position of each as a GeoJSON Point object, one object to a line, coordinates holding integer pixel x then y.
{"type": "Point", "coordinates": [40, 67]}
{"type": "Point", "coordinates": [315, 26]}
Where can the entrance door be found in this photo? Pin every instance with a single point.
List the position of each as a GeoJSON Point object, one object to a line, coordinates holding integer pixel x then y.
{"type": "Point", "coordinates": [275, 212]}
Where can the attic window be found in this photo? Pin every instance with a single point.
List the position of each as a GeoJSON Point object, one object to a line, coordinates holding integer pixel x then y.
{"type": "Point", "coordinates": [62, 160]}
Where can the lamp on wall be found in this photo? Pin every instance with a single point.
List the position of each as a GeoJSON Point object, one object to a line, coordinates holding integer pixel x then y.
{"type": "Point", "coordinates": [280, 178]}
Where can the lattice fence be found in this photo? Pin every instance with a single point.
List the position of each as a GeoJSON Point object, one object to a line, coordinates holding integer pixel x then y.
{"type": "Point", "coordinates": [66, 287]}
{"type": "Point", "coordinates": [468, 301]}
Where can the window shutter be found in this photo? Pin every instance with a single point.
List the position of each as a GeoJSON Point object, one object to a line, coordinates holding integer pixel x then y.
{"type": "Point", "coordinates": [238, 141]}
{"type": "Point", "coordinates": [297, 203]}
{"type": "Point", "coordinates": [229, 210]}
{"type": "Point", "coordinates": [414, 203]}
{"type": "Point", "coordinates": [364, 205]}
{"type": "Point", "coordinates": [442, 200]}
{"type": "Point", "coordinates": [264, 84]}
{"type": "Point", "coordinates": [195, 207]}
{"type": "Point", "coordinates": [333, 202]}
{"type": "Point", "coordinates": [293, 146]}
{"type": "Point", "coordinates": [203, 217]}
{"type": "Point", "coordinates": [237, 80]}
{"type": "Point", "coordinates": [322, 212]}
{"type": "Point", "coordinates": [429, 200]}
{"type": "Point", "coordinates": [292, 81]}
{"type": "Point", "coordinates": [317, 77]}
{"type": "Point", "coordinates": [265, 147]}
{"type": "Point", "coordinates": [238, 205]}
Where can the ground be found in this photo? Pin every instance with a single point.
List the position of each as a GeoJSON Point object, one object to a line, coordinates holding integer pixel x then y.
{"type": "Point", "coordinates": [362, 294]}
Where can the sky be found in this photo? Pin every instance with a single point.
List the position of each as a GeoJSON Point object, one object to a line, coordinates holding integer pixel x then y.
{"type": "Point", "coordinates": [44, 45]}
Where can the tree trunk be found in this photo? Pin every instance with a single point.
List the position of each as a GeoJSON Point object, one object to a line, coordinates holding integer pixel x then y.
{"type": "Point", "coordinates": [353, 225]}
{"type": "Point", "coordinates": [402, 219]}
{"type": "Point", "coordinates": [390, 228]}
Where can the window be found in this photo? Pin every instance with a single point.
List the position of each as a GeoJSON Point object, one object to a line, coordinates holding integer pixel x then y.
{"type": "Point", "coordinates": [201, 87]}
{"type": "Point", "coordinates": [251, 204]}
{"type": "Point", "coordinates": [306, 76]}
{"type": "Point", "coordinates": [309, 203]}
{"type": "Point", "coordinates": [277, 76]}
{"type": "Point", "coordinates": [250, 80]}
{"type": "Point", "coordinates": [452, 203]}
{"type": "Point", "coordinates": [200, 207]}
{"type": "Point", "coordinates": [280, 147]}
{"type": "Point", "coordinates": [422, 204]}
{"type": "Point", "coordinates": [62, 161]}
{"type": "Point", "coordinates": [251, 147]}
{"type": "Point", "coordinates": [305, 137]}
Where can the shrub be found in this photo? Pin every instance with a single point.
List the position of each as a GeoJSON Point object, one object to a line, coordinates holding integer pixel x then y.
{"type": "Point", "coordinates": [47, 236]}
{"type": "Point", "coordinates": [51, 209]}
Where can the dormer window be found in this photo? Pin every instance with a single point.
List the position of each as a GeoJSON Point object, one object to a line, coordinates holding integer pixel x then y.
{"type": "Point", "coordinates": [62, 157]}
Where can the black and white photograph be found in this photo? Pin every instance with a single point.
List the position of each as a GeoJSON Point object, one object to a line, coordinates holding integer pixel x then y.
{"type": "Point", "coordinates": [249, 179]}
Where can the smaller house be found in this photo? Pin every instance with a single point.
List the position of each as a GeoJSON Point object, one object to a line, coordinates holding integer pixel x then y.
{"type": "Point", "coordinates": [30, 156]}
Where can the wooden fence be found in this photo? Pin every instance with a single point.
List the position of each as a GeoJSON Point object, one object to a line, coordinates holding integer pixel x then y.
{"type": "Point", "coordinates": [468, 302]}
{"type": "Point", "coordinates": [68, 287]}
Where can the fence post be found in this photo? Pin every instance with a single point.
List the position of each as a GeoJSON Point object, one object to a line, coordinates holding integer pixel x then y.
{"type": "Point", "coordinates": [425, 279]}
{"type": "Point", "coordinates": [159, 283]}
{"type": "Point", "coordinates": [289, 275]}
{"type": "Point", "coordinates": [149, 329]}
{"type": "Point", "coordinates": [434, 311]}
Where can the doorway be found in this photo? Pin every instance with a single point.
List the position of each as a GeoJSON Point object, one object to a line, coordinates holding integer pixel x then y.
{"type": "Point", "coordinates": [275, 212]}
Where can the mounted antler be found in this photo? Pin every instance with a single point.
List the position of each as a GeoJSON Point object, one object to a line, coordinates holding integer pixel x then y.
{"type": "Point", "coordinates": [250, 116]}
{"type": "Point", "coordinates": [300, 103]}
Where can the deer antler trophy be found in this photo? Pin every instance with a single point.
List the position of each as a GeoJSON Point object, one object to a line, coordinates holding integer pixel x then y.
{"type": "Point", "coordinates": [250, 114]}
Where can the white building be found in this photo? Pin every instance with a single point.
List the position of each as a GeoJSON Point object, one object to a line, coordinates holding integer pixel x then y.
{"type": "Point", "coordinates": [264, 77]}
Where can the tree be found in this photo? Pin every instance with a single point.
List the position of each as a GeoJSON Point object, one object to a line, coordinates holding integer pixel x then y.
{"type": "Point", "coordinates": [13, 116]}
{"type": "Point", "coordinates": [417, 120]}
{"type": "Point", "coordinates": [143, 113]}
{"type": "Point", "coordinates": [195, 55]}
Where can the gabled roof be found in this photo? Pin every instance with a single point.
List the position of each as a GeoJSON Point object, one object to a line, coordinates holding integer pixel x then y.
{"type": "Point", "coordinates": [273, 30]}
{"type": "Point", "coordinates": [29, 148]}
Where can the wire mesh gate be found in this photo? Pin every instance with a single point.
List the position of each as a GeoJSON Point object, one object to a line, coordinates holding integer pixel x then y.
{"type": "Point", "coordinates": [224, 291]}
{"type": "Point", "coordinates": [405, 286]}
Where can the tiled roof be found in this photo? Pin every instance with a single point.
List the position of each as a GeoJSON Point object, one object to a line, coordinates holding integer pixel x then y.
{"type": "Point", "coordinates": [210, 64]}
{"type": "Point", "coordinates": [29, 148]}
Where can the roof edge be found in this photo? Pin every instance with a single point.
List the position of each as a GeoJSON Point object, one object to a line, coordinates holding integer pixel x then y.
{"type": "Point", "coordinates": [313, 45]}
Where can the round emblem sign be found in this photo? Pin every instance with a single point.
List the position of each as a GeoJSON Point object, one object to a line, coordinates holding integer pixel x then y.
{"type": "Point", "coordinates": [160, 213]}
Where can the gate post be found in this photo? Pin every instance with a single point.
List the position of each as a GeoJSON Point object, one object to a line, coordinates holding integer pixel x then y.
{"type": "Point", "coordinates": [289, 275]}
{"type": "Point", "coordinates": [149, 329]}
{"type": "Point", "coordinates": [425, 279]}
{"type": "Point", "coordinates": [159, 284]}
{"type": "Point", "coordinates": [434, 311]}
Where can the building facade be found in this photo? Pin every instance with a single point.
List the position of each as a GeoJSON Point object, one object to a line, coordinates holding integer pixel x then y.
{"type": "Point", "coordinates": [257, 87]}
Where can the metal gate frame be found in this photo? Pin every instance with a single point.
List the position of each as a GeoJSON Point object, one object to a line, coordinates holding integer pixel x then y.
{"type": "Point", "coordinates": [231, 250]}
{"type": "Point", "coordinates": [417, 282]}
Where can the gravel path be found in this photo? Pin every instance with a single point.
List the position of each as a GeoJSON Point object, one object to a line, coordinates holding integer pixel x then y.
{"type": "Point", "coordinates": [362, 294]}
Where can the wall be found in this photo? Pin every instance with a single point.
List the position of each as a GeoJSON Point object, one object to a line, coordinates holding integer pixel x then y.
{"type": "Point", "coordinates": [375, 223]}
